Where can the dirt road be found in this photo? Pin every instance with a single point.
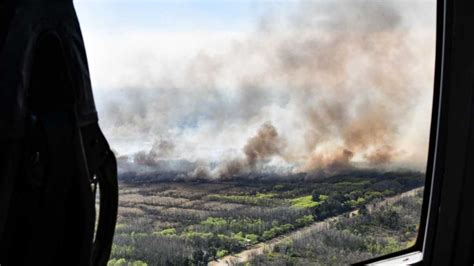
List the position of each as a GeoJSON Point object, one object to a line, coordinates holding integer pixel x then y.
{"type": "Point", "coordinates": [260, 248]}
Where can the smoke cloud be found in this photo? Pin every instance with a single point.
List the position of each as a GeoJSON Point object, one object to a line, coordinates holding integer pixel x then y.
{"type": "Point", "coordinates": [320, 87]}
{"type": "Point", "coordinates": [264, 145]}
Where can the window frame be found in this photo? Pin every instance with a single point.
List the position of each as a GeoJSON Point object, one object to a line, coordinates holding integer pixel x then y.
{"type": "Point", "coordinates": [446, 231]}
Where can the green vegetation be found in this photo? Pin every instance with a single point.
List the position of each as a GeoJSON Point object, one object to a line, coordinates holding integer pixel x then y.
{"type": "Point", "coordinates": [193, 234]}
{"type": "Point", "coordinates": [214, 221]}
{"type": "Point", "coordinates": [122, 251]}
{"type": "Point", "coordinates": [305, 220]}
{"type": "Point", "coordinates": [221, 253]}
{"type": "Point", "coordinates": [304, 202]}
{"type": "Point", "coordinates": [265, 195]}
{"type": "Point", "coordinates": [278, 187]}
{"type": "Point", "coordinates": [192, 223]}
{"type": "Point", "coordinates": [386, 230]}
{"type": "Point", "coordinates": [259, 199]}
{"type": "Point", "coordinates": [124, 262]}
{"type": "Point", "coordinates": [166, 232]}
{"type": "Point", "coordinates": [276, 230]}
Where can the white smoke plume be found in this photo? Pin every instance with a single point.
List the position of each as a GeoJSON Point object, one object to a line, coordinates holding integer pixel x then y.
{"type": "Point", "coordinates": [323, 86]}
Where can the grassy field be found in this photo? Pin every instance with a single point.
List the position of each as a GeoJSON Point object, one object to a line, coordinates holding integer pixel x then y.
{"type": "Point", "coordinates": [193, 223]}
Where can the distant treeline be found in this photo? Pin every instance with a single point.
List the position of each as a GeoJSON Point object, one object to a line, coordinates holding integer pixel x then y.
{"type": "Point", "coordinates": [180, 176]}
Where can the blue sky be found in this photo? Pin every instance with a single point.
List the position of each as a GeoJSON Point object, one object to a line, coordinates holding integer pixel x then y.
{"type": "Point", "coordinates": [170, 15]}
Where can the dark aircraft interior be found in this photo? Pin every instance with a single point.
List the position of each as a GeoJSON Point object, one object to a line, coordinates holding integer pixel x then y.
{"type": "Point", "coordinates": [55, 160]}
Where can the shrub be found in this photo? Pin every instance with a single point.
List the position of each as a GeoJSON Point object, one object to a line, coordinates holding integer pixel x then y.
{"type": "Point", "coordinates": [166, 232]}
{"type": "Point", "coordinates": [252, 238]}
{"type": "Point", "coordinates": [122, 251]}
{"type": "Point", "coordinates": [214, 221]}
{"type": "Point", "coordinates": [304, 202]}
{"type": "Point", "coordinates": [123, 262]}
{"type": "Point", "coordinates": [307, 219]}
{"type": "Point", "coordinates": [221, 253]}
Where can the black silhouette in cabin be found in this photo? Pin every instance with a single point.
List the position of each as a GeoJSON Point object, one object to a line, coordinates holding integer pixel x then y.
{"type": "Point", "coordinates": [52, 152]}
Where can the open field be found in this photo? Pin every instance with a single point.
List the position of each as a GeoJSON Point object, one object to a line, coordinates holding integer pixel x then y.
{"type": "Point", "coordinates": [194, 223]}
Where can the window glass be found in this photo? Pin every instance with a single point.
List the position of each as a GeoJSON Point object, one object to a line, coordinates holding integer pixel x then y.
{"type": "Point", "coordinates": [263, 132]}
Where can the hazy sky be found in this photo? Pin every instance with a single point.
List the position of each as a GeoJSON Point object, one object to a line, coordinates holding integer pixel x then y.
{"type": "Point", "coordinates": [169, 15]}
{"type": "Point", "coordinates": [319, 83]}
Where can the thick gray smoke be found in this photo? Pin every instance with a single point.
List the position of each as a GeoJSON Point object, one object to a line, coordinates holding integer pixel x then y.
{"type": "Point", "coordinates": [258, 150]}
{"type": "Point", "coordinates": [264, 145]}
{"type": "Point", "coordinates": [323, 86]}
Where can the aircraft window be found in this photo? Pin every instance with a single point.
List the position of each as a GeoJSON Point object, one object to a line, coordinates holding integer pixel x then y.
{"type": "Point", "coordinates": [261, 132]}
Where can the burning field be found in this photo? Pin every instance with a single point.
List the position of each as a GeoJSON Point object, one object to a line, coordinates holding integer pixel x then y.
{"type": "Point", "coordinates": [311, 87]}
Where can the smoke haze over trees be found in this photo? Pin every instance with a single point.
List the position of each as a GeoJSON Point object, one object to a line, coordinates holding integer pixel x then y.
{"type": "Point", "coordinates": [314, 86]}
